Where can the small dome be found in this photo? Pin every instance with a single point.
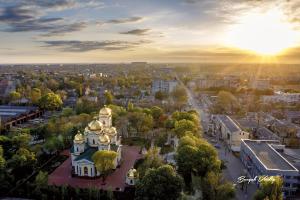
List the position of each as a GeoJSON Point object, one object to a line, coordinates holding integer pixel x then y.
{"type": "Point", "coordinates": [104, 139]}
{"type": "Point", "coordinates": [105, 111]}
{"type": "Point", "coordinates": [111, 131]}
{"type": "Point", "coordinates": [78, 138]}
{"type": "Point", "coordinates": [95, 125]}
{"type": "Point", "coordinates": [132, 173]}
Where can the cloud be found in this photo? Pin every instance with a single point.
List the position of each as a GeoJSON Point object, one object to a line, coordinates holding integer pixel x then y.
{"type": "Point", "coordinates": [125, 20]}
{"type": "Point", "coordinates": [137, 32]}
{"type": "Point", "coordinates": [84, 46]}
{"type": "Point", "coordinates": [24, 19]}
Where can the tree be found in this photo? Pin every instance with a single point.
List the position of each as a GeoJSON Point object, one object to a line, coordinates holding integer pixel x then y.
{"type": "Point", "coordinates": [108, 97]}
{"type": "Point", "coordinates": [184, 125]}
{"type": "Point", "coordinates": [270, 188]}
{"type": "Point", "coordinates": [50, 101]}
{"type": "Point", "coordinates": [156, 112]}
{"type": "Point", "coordinates": [104, 162]}
{"type": "Point", "coordinates": [227, 102]}
{"type": "Point", "coordinates": [196, 157]}
{"type": "Point", "coordinates": [14, 96]}
{"type": "Point", "coordinates": [35, 95]}
{"type": "Point", "coordinates": [41, 181]}
{"type": "Point", "coordinates": [67, 111]}
{"type": "Point", "coordinates": [180, 95]}
{"type": "Point", "coordinates": [142, 122]}
{"type": "Point", "coordinates": [160, 95]}
{"type": "Point", "coordinates": [213, 188]}
{"type": "Point", "coordinates": [152, 161]}
{"type": "Point", "coordinates": [160, 183]}
{"type": "Point", "coordinates": [2, 160]}
{"type": "Point", "coordinates": [23, 157]}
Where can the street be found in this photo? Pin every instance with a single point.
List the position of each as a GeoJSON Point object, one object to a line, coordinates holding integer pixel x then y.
{"type": "Point", "coordinates": [234, 166]}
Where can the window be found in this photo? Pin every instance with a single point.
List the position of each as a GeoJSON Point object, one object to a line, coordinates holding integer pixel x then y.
{"type": "Point", "coordinates": [131, 182]}
{"type": "Point", "coordinates": [93, 141]}
{"type": "Point", "coordinates": [77, 149]}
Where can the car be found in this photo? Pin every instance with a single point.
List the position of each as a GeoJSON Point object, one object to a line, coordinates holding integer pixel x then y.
{"type": "Point", "coordinates": [218, 146]}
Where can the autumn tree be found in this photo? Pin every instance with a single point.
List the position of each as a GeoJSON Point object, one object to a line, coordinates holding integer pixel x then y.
{"type": "Point", "coordinates": [50, 101]}
{"type": "Point", "coordinates": [270, 188]}
{"type": "Point", "coordinates": [108, 97]}
{"type": "Point", "coordinates": [104, 162]}
{"type": "Point", "coordinates": [35, 95]}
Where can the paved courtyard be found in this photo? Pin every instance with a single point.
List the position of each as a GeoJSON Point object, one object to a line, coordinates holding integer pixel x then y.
{"type": "Point", "coordinates": [62, 174]}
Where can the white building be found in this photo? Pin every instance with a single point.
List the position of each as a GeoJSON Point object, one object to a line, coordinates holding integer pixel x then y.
{"type": "Point", "coordinates": [230, 132]}
{"type": "Point", "coordinates": [282, 97]}
{"type": "Point", "coordinates": [164, 86]}
{"type": "Point", "coordinates": [98, 135]}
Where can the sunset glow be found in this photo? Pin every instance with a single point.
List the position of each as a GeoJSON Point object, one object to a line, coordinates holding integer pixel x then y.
{"type": "Point", "coordinates": [263, 33]}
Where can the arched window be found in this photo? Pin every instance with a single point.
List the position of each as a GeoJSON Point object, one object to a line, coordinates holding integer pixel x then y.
{"type": "Point", "coordinates": [77, 149]}
{"type": "Point", "coordinates": [93, 141]}
{"type": "Point", "coordinates": [103, 122]}
{"type": "Point", "coordinates": [85, 169]}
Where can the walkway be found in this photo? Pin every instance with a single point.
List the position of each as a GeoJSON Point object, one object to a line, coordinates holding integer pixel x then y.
{"type": "Point", "coordinates": [62, 174]}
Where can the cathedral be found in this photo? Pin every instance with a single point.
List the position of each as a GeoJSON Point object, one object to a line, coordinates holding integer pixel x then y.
{"type": "Point", "coordinates": [98, 135]}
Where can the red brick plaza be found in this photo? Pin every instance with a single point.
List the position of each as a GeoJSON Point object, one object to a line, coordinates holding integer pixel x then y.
{"type": "Point", "coordinates": [62, 174]}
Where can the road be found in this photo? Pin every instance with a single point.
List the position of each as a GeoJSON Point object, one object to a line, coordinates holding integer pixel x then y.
{"type": "Point", "coordinates": [234, 165]}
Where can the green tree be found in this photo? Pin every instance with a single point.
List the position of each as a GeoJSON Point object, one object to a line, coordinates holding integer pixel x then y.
{"type": "Point", "coordinates": [183, 126]}
{"type": "Point", "coordinates": [270, 188]}
{"type": "Point", "coordinates": [108, 97]}
{"type": "Point", "coordinates": [41, 182]}
{"type": "Point", "coordinates": [213, 188]}
{"type": "Point", "coordinates": [50, 101]}
{"type": "Point", "coordinates": [67, 111]}
{"type": "Point", "coordinates": [151, 160]}
{"type": "Point", "coordinates": [104, 162]}
{"type": "Point", "coordinates": [35, 95]}
{"type": "Point", "coordinates": [2, 160]}
{"type": "Point", "coordinates": [160, 183]}
{"type": "Point", "coordinates": [23, 157]}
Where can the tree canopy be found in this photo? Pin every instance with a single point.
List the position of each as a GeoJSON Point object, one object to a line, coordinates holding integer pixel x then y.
{"type": "Point", "coordinates": [160, 183]}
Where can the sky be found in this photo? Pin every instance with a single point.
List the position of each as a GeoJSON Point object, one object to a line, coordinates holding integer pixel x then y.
{"type": "Point", "coordinates": [98, 31]}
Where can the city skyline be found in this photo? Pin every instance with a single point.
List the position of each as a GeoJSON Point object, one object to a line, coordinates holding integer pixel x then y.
{"type": "Point", "coordinates": [65, 31]}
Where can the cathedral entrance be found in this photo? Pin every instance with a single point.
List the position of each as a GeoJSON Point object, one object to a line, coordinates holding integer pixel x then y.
{"type": "Point", "coordinates": [86, 173]}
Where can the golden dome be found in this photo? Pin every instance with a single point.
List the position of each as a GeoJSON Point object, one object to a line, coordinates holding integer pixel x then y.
{"type": "Point", "coordinates": [78, 138]}
{"type": "Point", "coordinates": [105, 111]}
{"type": "Point", "coordinates": [112, 131]}
{"type": "Point", "coordinates": [95, 125]}
{"type": "Point", "coordinates": [104, 139]}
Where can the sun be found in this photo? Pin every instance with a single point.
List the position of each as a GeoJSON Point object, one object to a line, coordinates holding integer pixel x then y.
{"type": "Point", "coordinates": [264, 33]}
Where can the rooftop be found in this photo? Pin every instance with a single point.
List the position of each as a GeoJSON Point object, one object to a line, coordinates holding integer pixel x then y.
{"type": "Point", "coordinates": [7, 112]}
{"type": "Point", "coordinates": [229, 123]}
{"type": "Point", "coordinates": [270, 158]}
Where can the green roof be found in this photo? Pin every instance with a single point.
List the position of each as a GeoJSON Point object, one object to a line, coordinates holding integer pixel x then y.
{"type": "Point", "coordinates": [114, 147]}
{"type": "Point", "coordinates": [87, 154]}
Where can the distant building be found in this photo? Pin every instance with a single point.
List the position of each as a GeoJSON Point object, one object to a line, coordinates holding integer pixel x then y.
{"type": "Point", "coordinates": [260, 84]}
{"type": "Point", "coordinates": [282, 97]}
{"type": "Point", "coordinates": [263, 158]}
{"type": "Point", "coordinates": [229, 131]}
{"type": "Point", "coordinates": [167, 86]}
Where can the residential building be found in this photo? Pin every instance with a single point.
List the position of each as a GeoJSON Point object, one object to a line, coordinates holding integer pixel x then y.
{"type": "Point", "coordinates": [260, 84]}
{"type": "Point", "coordinates": [263, 158]}
{"type": "Point", "coordinates": [282, 97]}
{"type": "Point", "coordinates": [98, 135]}
{"type": "Point", "coordinates": [229, 131]}
{"type": "Point", "coordinates": [167, 86]}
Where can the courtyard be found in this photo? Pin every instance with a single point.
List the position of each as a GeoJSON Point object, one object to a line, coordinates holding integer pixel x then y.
{"type": "Point", "coordinates": [115, 181]}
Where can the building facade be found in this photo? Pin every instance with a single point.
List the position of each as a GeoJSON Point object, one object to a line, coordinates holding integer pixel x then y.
{"type": "Point", "coordinates": [229, 131]}
{"type": "Point", "coordinates": [98, 135]}
{"type": "Point", "coordinates": [262, 158]}
{"type": "Point", "coordinates": [164, 86]}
